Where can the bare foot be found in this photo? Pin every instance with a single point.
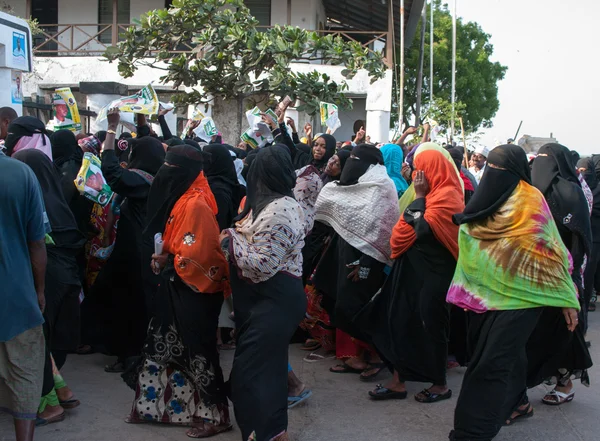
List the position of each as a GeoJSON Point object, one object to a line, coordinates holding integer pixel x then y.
{"type": "Point", "coordinates": [357, 363]}
{"type": "Point", "coordinates": [526, 410]}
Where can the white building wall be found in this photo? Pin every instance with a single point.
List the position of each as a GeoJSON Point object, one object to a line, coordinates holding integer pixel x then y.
{"type": "Point", "coordinates": [18, 7]}
{"type": "Point", "coordinates": [139, 7]}
{"type": "Point", "coordinates": [279, 12]}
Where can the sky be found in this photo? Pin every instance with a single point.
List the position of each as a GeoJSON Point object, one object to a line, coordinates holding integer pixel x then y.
{"type": "Point", "coordinates": [552, 51]}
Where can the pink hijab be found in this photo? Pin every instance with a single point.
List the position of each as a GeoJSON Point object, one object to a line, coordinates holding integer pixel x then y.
{"type": "Point", "coordinates": [37, 141]}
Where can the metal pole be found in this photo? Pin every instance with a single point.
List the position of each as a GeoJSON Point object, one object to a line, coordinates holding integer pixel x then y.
{"type": "Point", "coordinates": [431, 5]}
{"type": "Point", "coordinates": [420, 72]}
{"type": "Point", "coordinates": [401, 104]}
{"type": "Point", "coordinates": [453, 99]}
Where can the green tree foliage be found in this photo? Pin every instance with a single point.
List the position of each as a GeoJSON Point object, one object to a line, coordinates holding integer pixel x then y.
{"type": "Point", "coordinates": [231, 58]}
{"type": "Point", "coordinates": [476, 75]}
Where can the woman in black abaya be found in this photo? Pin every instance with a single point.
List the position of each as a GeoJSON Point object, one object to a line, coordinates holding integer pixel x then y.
{"type": "Point", "coordinates": [562, 354]}
{"type": "Point", "coordinates": [222, 178]}
{"type": "Point", "coordinates": [265, 258]}
{"type": "Point", "coordinates": [120, 286]}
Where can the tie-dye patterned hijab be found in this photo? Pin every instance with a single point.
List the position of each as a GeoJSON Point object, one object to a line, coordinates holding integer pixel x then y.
{"type": "Point", "coordinates": [511, 258]}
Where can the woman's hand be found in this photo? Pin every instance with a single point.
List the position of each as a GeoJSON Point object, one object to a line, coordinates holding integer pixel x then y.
{"type": "Point", "coordinates": [292, 124]}
{"type": "Point", "coordinates": [224, 234]}
{"type": "Point", "coordinates": [421, 184]}
{"type": "Point", "coordinates": [360, 135]}
{"type": "Point", "coordinates": [159, 261]}
{"type": "Point", "coordinates": [308, 130]}
{"type": "Point", "coordinates": [114, 118]}
{"type": "Point", "coordinates": [269, 121]}
{"type": "Point", "coordinates": [571, 318]}
{"type": "Point", "coordinates": [406, 172]}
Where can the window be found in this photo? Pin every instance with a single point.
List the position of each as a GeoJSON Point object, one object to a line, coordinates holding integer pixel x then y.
{"type": "Point", "coordinates": [105, 16]}
{"type": "Point", "coordinates": [261, 9]}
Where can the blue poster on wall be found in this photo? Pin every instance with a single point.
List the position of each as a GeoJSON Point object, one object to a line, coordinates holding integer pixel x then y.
{"type": "Point", "coordinates": [19, 49]}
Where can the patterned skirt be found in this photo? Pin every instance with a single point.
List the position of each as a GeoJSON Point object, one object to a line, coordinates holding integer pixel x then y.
{"type": "Point", "coordinates": [179, 379]}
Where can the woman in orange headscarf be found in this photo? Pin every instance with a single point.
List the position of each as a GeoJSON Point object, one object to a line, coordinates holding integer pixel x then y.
{"type": "Point", "coordinates": [410, 316]}
{"type": "Point", "coordinates": [178, 380]}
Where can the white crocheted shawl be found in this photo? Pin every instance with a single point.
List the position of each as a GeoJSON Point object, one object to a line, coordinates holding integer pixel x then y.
{"type": "Point", "coordinates": [363, 214]}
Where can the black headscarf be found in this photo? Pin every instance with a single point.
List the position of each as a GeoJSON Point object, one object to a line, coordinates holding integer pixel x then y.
{"type": "Point", "coordinates": [64, 227]}
{"type": "Point", "coordinates": [222, 178]}
{"type": "Point", "coordinates": [170, 183]}
{"type": "Point", "coordinates": [304, 147]}
{"type": "Point", "coordinates": [65, 148]}
{"type": "Point", "coordinates": [343, 156]}
{"type": "Point", "coordinates": [193, 143]}
{"type": "Point", "coordinates": [589, 174]}
{"type": "Point", "coordinates": [147, 154]}
{"type": "Point", "coordinates": [101, 135]}
{"type": "Point", "coordinates": [330, 145]}
{"type": "Point", "coordinates": [496, 185]}
{"type": "Point", "coordinates": [554, 174]}
{"type": "Point", "coordinates": [271, 176]}
{"type": "Point", "coordinates": [363, 156]}
{"type": "Point", "coordinates": [22, 126]}
{"type": "Point", "coordinates": [247, 162]}
{"type": "Point", "coordinates": [558, 164]}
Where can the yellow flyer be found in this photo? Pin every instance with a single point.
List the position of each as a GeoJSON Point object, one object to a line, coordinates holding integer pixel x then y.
{"type": "Point", "coordinates": [66, 113]}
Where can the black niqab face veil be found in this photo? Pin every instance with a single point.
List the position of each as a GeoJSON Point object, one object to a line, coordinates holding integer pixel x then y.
{"type": "Point", "coordinates": [554, 174]}
{"type": "Point", "coordinates": [271, 176]}
{"type": "Point", "coordinates": [147, 154]}
{"type": "Point", "coordinates": [363, 156]}
{"type": "Point", "coordinates": [182, 165]}
{"type": "Point", "coordinates": [506, 167]}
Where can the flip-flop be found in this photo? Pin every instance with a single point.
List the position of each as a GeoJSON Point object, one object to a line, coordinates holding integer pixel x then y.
{"type": "Point", "coordinates": [70, 404]}
{"type": "Point", "coordinates": [430, 397]}
{"type": "Point", "coordinates": [383, 393]}
{"type": "Point", "coordinates": [310, 345]}
{"type": "Point", "coordinates": [521, 415]}
{"type": "Point", "coordinates": [39, 421]}
{"type": "Point", "coordinates": [115, 368]}
{"type": "Point", "coordinates": [294, 401]}
{"type": "Point", "coordinates": [561, 398]}
{"type": "Point", "coordinates": [314, 357]}
{"type": "Point", "coordinates": [346, 369]}
{"type": "Point", "coordinates": [373, 366]}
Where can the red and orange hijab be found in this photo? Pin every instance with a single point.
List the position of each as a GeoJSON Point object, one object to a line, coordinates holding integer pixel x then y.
{"type": "Point", "coordinates": [444, 200]}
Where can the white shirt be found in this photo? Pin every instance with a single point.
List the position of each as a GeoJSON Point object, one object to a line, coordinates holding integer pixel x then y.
{"type": "Point", "coordinates": [477, 174]}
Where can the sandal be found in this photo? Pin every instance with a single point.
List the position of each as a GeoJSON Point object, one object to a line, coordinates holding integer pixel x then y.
{"type": "Point", "coordinates": [345, 368]}
{"type": "Point", "coordinates": [117, 367]}
{"type": "Point", "coordinates": [310, 345]}
{"type": "Point", "coordinates": [71, 403]}
{"type": "Point", "coordinates": [208, 430]}
{"type": "Point", "coordinates": [294, 401]}
{"type": "Point", "coordinates": [521, 415]}
{"type": "Point", "coordinates": [39, 421]}
{"type": "Point", "coordinates": [425, 396]}
{"type": "Point", "coordinates": [377, 367]}
{"type": "Point", "coordinates": [556, 398]}
{"type": "Point", "coordinates": [383, 393]}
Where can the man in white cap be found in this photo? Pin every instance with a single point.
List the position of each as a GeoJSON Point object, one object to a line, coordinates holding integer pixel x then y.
{"type": "Point", "coordinates": [479, 159]}
{"type": "Point", "coordinates": [61, 111]}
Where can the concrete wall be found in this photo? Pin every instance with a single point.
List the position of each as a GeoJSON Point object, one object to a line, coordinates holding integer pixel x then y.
{"type": "Point", "coordinates": [138, 7]}
{"type": "Point", "coordinates": [18, 7]}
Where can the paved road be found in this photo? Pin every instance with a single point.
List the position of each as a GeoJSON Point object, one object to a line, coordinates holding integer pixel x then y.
{"type": "Point", "coordinates": [338, 411]}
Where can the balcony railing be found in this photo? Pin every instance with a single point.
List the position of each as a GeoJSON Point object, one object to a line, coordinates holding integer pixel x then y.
{"type": "Point", "coordinates": [60, 40]}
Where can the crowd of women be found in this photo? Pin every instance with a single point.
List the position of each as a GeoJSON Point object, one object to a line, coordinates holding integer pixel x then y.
{"type": "Point", "coordinates": [391, 257]}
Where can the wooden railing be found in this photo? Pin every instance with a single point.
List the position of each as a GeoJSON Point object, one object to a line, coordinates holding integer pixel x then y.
{"type": "Point", "coordinates": [94, 39]}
